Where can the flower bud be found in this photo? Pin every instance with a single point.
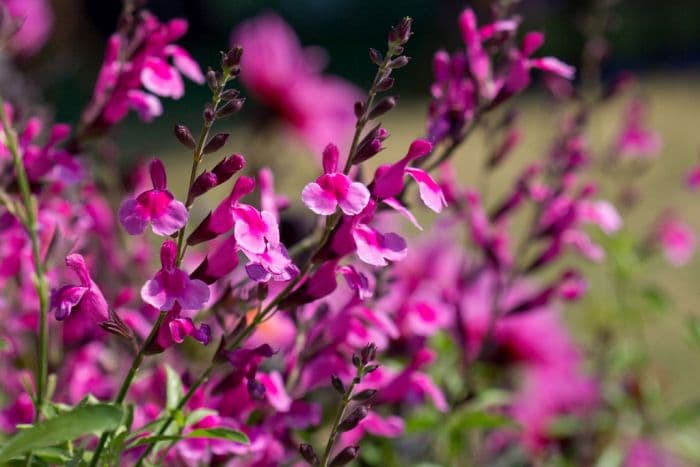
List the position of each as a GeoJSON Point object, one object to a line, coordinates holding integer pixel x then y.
{"type": "Point", "coordinates": [368, 353]}
{"type": "Point", "coordinates": [212, 80]}
{"type": "Point", "coordinates": [337, 384]}
{"type": "Point", "coordinates": [351, 421]}
{"type": "Point", "coordinates": [376, 57]}
{"type": "Point", "coordinates": [364, 395]}
{"type": "Point", "coordinates": [208, 113]}
{"type": "Point", "coordinates": [359, 109]}
{"type": "Point", "coordinates": [227, 167]}
{"type": "Point", "coordinates": [399, 62]}
{"type": "Point", "coordinates": [385, 84]}
{"type": "Point", "coordinates": [382, 107]}
{"type": "Point", "coordinates": [232, 58]}
{"type": "Point", "coordinates": [215, 143]}
{"type": "Point", "coordinates": [401, 33]}
{"type": "Point", "coordinates": [230, 94]}
{"type": "Point", "coordinates": [345, 456]}
{"type": "Point", "coordinates": [230, 108]}
{"type": "Point", "coordinates": [184, 136]}
{"type": "Point", "coordinates": [205, 182]}
{"type": "Point", "coordinates": [308, 453]}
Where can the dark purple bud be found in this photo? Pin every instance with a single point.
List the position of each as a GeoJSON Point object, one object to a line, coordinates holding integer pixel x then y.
{"type": "Point", "coordinates": [230, 108]}
{"type": "Point", "coordinates": [356, 361]}
{"type": "Point", "coordinates": [371, 144]}
{"type": "Point", "coordinates": [376, 57]}
{"type": "Point", "coordinates": [208, 113]}
{"type": "Point", "coordinates": [228, 167]}
{"type": "Point", "coordinates": [215, 143]}
{"type": "Point", "coordinates": [399, 62]}
{"type": "Point", "coordinates": [115, 325]}
{"type": "Point", "coordinates": [337, 384]}
{"type": "Point", "coordinates": [385, 84]}
{"type": "Point", "coordinates": [346, 456]}
{"type": "Point", "coordinates": [212, 80]}
{"type": "Point", "coordinates": [382, 107]}
{"type": "Point", "coordinates": [359, 109]}
{"type": "Point", "coordinates": [351, 421]}
{"type": "Point", "coordinates": [364, 395]}
{"type": "Point", "coordinates": [308, 453]}
{"type": "Point", "coordinates": [368, 353]}
{"type": "Point", "coordinates": [551, 253]}
{"type": "Point", "coordinates": [538, 300]}
{"type": "Point", "coordinates": [184, 136]}
{"type": "Point", "coordinates": [230, 94]}
{"type": "Point", "coordinates": [401, 33]}
{"type": "Point", "coordinates": [232, 58]}
{"type": "Point", "coordinates": [256, 389]}
{"type": "Point", "coordinates": [370, 368]}
{"type": "Point", "coordinates": [205, 182]}
{"type": "Point", "coordinates": [510, 141]}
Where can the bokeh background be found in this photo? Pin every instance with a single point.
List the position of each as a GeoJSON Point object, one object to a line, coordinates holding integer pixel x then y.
{"type": "Point", "coordinates": [658, 41]}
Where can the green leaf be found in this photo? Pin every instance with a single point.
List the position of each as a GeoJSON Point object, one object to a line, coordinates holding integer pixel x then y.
{"type": "Point", "coordinates": [173, 386]}
{"type": "Point", "coordinates": [64, 427]}
{"type": "Point", "coordinates": [481, 420]}
{"type": "Point", "coordinates": [219, 433]}
{"type": "Point", "coordinates": [208, 433]}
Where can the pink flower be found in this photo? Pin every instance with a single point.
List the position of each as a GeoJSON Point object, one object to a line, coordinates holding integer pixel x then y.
{"type": "Point", "coordinates": [118, 86]}
{"type": "Point", "coordinates": [157, 206]}
{"type": "Point", "coordinates": [601, 213]}
{"type": "Point", "coordinates": [287, 78]}
{"type": "Point", "coordinates": [389, 179]}
{"type": "Point", "coordinates": [333, 189]}
{"type": "Point", "coordinates": [175, 328]}
{"type": "Point", "coordinates": [34, 21]}
{"type": "Point", "coordinates": [693, 178]}
{"type": "Point", "coordinates": [676, 239]}
{"type": "Point", "coordinates": [86, 298]}
{"type": "Point", "coordinates": [644, 453]}
{"type": "Point", "coordinates": [635, 140]}
{"type": "Point", "coordinates": [171, 285]}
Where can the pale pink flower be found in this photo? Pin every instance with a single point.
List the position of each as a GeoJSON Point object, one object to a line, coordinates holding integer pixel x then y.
{"type": "Point", "coordinates": [676, 239]}
{"type": "Point", "coordinates": [334, 189]}
{"type": "Point", "coordinates": [157, 207]}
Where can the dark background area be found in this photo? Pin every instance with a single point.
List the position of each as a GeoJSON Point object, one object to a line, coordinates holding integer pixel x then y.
{"type": "Point", "coordinates": [648, 34]}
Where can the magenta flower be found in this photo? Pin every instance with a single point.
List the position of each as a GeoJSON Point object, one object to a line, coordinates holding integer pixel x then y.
{"type": "Point", "coordinates": [693, 178]}
{"type": "Point", "coordinates": [288, 79]}
{"type": "Point", "coordinates": [118, 86]}
{"type": "Point", "coordinates": [86, 297]}
{"type": "Point", "coordinates": [175, 328]}
{"type": "Point", "coordinates": [676, 239]}
{"type": "Point", "coordinates": [636, 140]}
{"type": "Point", "coordinates": [389, 179]}
{"type": "Point", "coordinates": [171, 284]}
{"type": "Point", "coordinates": [376, 248]}
{"type": "Point", "coordinates": [34, 20]}
{"type": "Point", "coordinates": [333, 189]}
{"type": "Point", "coordinates": [157, 206]}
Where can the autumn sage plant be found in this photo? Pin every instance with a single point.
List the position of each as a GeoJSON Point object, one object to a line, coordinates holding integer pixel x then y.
{"type": "Point", "coordinates": [154, 316]}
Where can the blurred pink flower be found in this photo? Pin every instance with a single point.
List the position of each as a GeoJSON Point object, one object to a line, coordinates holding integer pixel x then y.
{"type": "Point", "coordinates": [86, 298]}
{"type": "Point", "coordinates": [676, 239]}
{"type": "Point", "coordinates": [643, 453]}
{"type": "Point", "coordinates": [636, 140]}
{"type": "Point", "coordinates": [288, 78]}
{"type": "Point", "coordinates": [34, 19]}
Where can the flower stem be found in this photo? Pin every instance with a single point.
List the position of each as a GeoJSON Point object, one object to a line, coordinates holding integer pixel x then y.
{"type": "Point", "coordinates": [29, 222]}
{"type": "Point", "coordinates": [347, 395]}
{"type": "Point", "coordinates": [128, 379]}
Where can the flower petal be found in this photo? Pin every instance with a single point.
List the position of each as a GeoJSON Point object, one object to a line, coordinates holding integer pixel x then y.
{"type": "Point", "coordinates": [318, 200]}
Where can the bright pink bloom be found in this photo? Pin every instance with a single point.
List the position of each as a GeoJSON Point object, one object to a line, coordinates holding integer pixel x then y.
{"type": "Point", "coordinates": [644, 453]}
{"type": "Point", "coordinates": [118, 86]}
{"type": "Point", "coordinates": [376, 248]}
{"type": "Point", "coordinates": [389, 179]}
{"type": "Point", "coordinates": [34, 21]}
{"type": "Point", "coordinates": [693, 178]}
{"type": "Point", "coordinates": [175, 328]}
{"type": "Point", "coordinates": [86, 298]}
{"type": "Point", "coordinates": [157, 206]}
{"type": "Point", "coordinates": [636, 140]}
{"type": "Point", "coordinates": [287, 77]}
{"type": "Point", "coordinates": [333, 189]}
{"type": "Point", "coordinates": [676, 239]}
{"type": "Point", "coordinates": [171, 284]}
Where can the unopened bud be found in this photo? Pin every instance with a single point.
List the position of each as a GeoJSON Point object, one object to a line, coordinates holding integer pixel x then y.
{"type": "Point", "coordinates": [385, 84]}
{"type": "Point", "coordinates": [212, 80]}
{"type": "Point", "coordinates": [308, 453]}
{"type": "Point", "coordinates": [230, 108]}
{"type": "Point", "coordinates": [382, 107]}
{"type": "Point", "coordinates": [359, 109]}
{"type": "Point", "coordinates": [399, 62]}
{"type": "Point", "coordinates": [354, 419]}
{"type": "Point", "coordinates": [232, 58]}
{"type": "Point", "coordinates": [368, 353]}
{"type": "Point", "coordinates": [208, 113]}
{"type": "Point", "coordinates": [205, 182]}
{"type": "Point", "coordinates": [364, 395]}
{"type": "Point", "coordinates": [184, 136]}
{"type": "Point", "coordinates": [216, 143]}
{"type": "Point", "coordinates": [337, 384]}
{"type": "Point", "coordinates": [345, 456]}
{"type": "Point", "coordinates": [401, 33]}
{"type": "Point", "coordinates": [227, 167]}
{"type": "Point", "coordinates": [376, 57]}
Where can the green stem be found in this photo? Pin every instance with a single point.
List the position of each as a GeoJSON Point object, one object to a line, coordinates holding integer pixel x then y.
{"type": "Point", "coordinates": [128, 379]}
{"type": "Point", "coordinates": [336, 421]}
{"type": "Point", "coordinates": [29, 221]}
